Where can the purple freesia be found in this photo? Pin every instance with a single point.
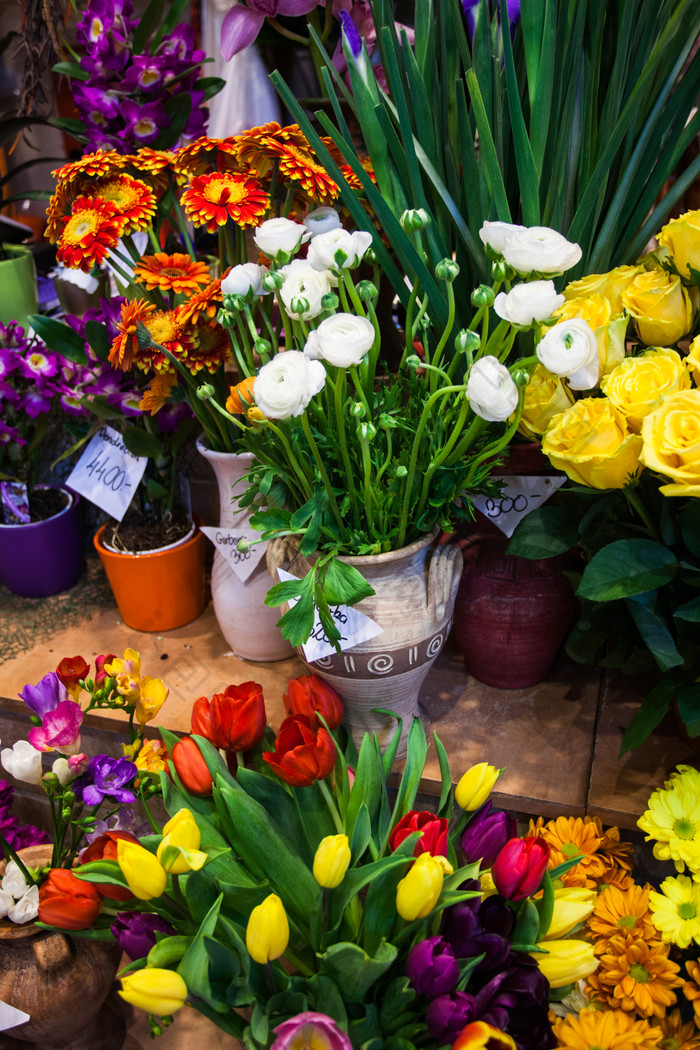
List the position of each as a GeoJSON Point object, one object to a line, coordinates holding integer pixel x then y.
{"type": "Point", "coordinates": [243, 22]}
{"type": "Point", "coordinates": [46, 695]}
{"type": "Point", "coordinates": [432, 968]}
{"type": "Point", "coordinates": [310, 1029]}
{"type": "Point", "coordinates": [106, 778]}
{"type": "Point", "coordinates": [486, 835]}
{"type": "Point", "coordinates": [59, 729]}
{"type": "Point", "coordinates": [136, 933]}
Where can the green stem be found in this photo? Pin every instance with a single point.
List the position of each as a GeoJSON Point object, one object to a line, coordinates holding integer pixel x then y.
{"type": "Point", "coordinates": [439, 459]}
{"type": "Point", "coordinates": [338, 390]}
{"type": "Point", "coordinates": [322, 471]}
{"type": "Point", "coordinates": [449, 326]}
{"type": "Point", "coordinates": [636, 504]}
{"type": "Point", "coordinates": [293, 461]}
{"type": "Point", "coordinates": [182, 226]}
{"type": "Point", "coordinates": [408, 347]}
{"type": "Point", "coordinates": [332, 808]}
{"type": "Point", "coordinates": [10, 854]}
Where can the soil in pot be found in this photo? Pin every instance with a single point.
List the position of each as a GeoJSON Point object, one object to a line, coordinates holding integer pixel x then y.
{"type": "Point", "coordinates": [43, 504]}
{"type": "Point", "coordinates": [139, 533]}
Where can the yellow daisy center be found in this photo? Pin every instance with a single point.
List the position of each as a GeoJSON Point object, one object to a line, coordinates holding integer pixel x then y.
{"type": "Point", "coordinates": [570, 849]}
{"type": "Point", "coordinates": [687, 910]}
{"type": "Point", "coordinates": [162, 329]}
{"type": "Point", "coordinates": [639, 973]}
{"type": "Point", "coordinates": [79, 226]}
{"type": "Point", "coordinates": [228, 192]}
{"type": "Point", "coordinates": [627, 922]}
{"type": "Point", "coordinates": [125, 197]}
{"type": "Point", "coordinates": [683, 828]}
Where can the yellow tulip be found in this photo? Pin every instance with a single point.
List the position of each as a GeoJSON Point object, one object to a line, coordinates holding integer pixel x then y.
{"type": "Point", "coordinates": [160, 992]}
{"type": "Point", "coordinates": [143, 872]}
{"type": "Point", "coordinates": [572, 905]}
{"type": "Point", "coordinates": [152, 696]}
{"type": "Point", "coordinates": [267, 933]}
{"type": "Point", "coordinates": [179, 851]}
{"type": "Point", "coordinates": [476, 785]}
{"type": "Point", "coordinates": [566, 961]}
{"type": "Point", "coordinates": [419, 890]}
{"type": "Point", "coordinates": [332, 861]}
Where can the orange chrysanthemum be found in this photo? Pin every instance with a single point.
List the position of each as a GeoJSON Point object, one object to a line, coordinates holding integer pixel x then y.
{"type": "Point", "coordinates": [171, 273]}
{"type": "Point", "coordinates": [100, 163]}
{"type": "Point", "coordinates": [568, 837]}
{"type": "Point", "coordinates": [157, 392]}
{"type": "Point", "coordinates": [636, 977]}
{"type": "Point", "coordinates": [604, 1030]}
{"type": "Point", "coordinates": [674, 1035]}
{"type": "Point", "coordinates": [241, 397]}
{"type": "Point", "coordinates": [209, 348]}
{"type": "Point", "coordinates": [691, 988]}
{"type": "Point", "coordinates": [204, 303]}
{"type": "Point", "coordinates": [622, 911]}
{"type": "Point", "coordinates": [207, 155]}
{"type": "Point", "coordinates": [125, 345]}
{"type": "Point", "coordinates": [213, 199]}
{"type": "Point", "coordinates": [168, 332]}
{"type": "Point", "coordinates": [134, 199]}
{"type": "Point", "coordinates": [93, 227]}
{"type": "Point", "coordinates": [620, 853]}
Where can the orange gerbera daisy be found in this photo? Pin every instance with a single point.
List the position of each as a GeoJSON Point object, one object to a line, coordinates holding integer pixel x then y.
{"type": "Point", "coordinates": [168, 332]}
{"type": "Point", "coordinates": [623, 911]}
{"type": "Point", "coordinates": [151, 160]}
{"type": "Point", "coordinates": [674, 1035]}
{"type": "Point", "coordinates": [157, 392]}
{"type": "Point", "coordinates": [59, 207]}
{"type": "Point", "coordinates": [353, 180]}
{"type": "Point", "coordinates": [256, 147]}
{"type": "Point", "coordinates": [215, 198]}
{"type": "Point", "coordinates": [569, 837]}
{"type": "Point", "coordinates": [134, 199]}
{"type": "Point", "coordinates": [171, 273]}
{"type": "Point", "coordinates": [93, 227]}
{"type": "Point", "coordinates": [636, 977]}
{"type": "Point", "coordinates": [691, 988]}
{"type": "Point", "coordinates": [125, 344]}
{"type": "Point", "coordinates": [100, 163]}
{"type": "Point", "coordinates": [241, 397]}
{"type": "Point", "coordinates": [203, 303]}
{"type": "Point", "coordinates": [209, 348]}
{"type": "Point", "coordinates": [604, 1030]}
{"type": "Point", "coordinates": [299, 165]}
{"type": "Point", "coordinates": [206, 155]}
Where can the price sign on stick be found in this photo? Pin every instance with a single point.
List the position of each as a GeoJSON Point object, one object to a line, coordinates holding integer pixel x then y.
{"type": "Point", "coordinates": [353, 625]}
{"type": "Point", "coordinates": [107, 473]}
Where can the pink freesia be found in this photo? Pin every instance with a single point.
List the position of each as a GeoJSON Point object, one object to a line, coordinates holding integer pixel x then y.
{"type": "Point", "coordinates": [243, 22]}
{"type": "Point", "coordinates": [59, 730]}
{"type": "Point", "coordinates": [78, 763]}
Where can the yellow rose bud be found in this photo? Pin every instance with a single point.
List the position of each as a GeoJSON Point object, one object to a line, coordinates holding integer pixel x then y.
{"type": "Point", "coordinates": [179, 851]}
{"type": "Point", "coordinates": [153, 695]}
{"type": "Point", "coordinates": [546, 396]}
{"type": "Point", "coordinates": [267, 933]}
{"type": "Point", "coordinates": [420, 888]}
{"type": "Point", "coordinates": [682, 238]}
{"type": "Point", "coordinates": [611, 285]}
{"type": "Point", "coordinates": [566, 961]}
{"type": "Point", "coordinates": [661, 307]}
{"type": "Point", "coordinates": [572, 905]}
{"type": "Point", "coordinates": [160, 992]}
{"type": "Point", "coordinates": [592, 444]}
{"type": "Point", "coordinates": [671, 436]}
{"type": "Point", "coordinates": [476, 785]}
{"type": "Point", "coordinates": [142, 871]}
{"type": "Point", "coordinates": [609, 330]}
{"type": "Point", "coordinates": [637, 384]}
{"type": "Point", "coordinates": [332, 861]}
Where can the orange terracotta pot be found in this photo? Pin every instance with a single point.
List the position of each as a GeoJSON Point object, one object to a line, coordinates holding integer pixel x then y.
{"type": "Point", "coordinates": [156, 590]}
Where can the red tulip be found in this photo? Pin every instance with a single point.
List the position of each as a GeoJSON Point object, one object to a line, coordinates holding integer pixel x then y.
{"type": "Point", "coordinates": [233, 720]}
{"type": "Point", "coordinates": [191, 768]}
{"type": "Point", "coordinates": [105, 848]}
{"type": "Point", "coordinates": [518, 869]}
{"type": "Point", "coordinates": [434, 833]}
{"type": "Point", "coordinates": [67, 902]}
{"type": "Point", "coordinates": [70, 670]}
{"type": "Point", "coordinates": [302, 753]}
{"type": "Point", "coordinates": [310, 695]}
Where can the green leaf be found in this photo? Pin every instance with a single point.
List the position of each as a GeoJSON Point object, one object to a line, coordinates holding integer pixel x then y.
{"type": "Point", "coordinates": [72, 70]}
{"type": "Point", "coordinates": [141, 443]}
{"type": "Point", "coordinates": [61, 338]}
{"type": "Point", "coordinates": [210, 86]}
{"type": "Point", "coordinates": [343, 584]}
{"type": "Point", "coordinates": [194, 968]}
{"type": "Point", "coordinates": [656, 634]}
{"type": "Point", "coordinates": [354, 970]}
{"type": "Point", "coordinates": [545, 532]}
{"type": "Point", "coordinates": [625, 568]}
{"type": "Point", "coordinates": [545, 905]}
{"type": "Point", "coordinates": [178, 108]}
{"type": "Point", "coordinates": [98, 338]}
{"type": "Point", "coordinates": [446, 803]}
{"type": "Point", "coordinates": [527, 924]}
{"type": "Point", "coordinates": [688, 700]}
{"type": "Point", "coordinates": [169, 950]}
{"type": "Point", "coordinates": [690, 611]}
{"type": "Point", "coordinates": [654, 707]}
{"type": "Point", "coordinates": [148, 22]}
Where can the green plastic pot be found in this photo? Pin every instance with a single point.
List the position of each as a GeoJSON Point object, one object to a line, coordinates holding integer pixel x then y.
{"type": "Point", "coordinates": [18, 295]}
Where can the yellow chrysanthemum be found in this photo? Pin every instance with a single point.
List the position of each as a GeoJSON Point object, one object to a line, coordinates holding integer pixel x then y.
{"type": "Point", "coordinates": [685, 776]}
{"type": "Point", "coordinates": [673, 822]}
{"type": "Point", "coordinates": [636, 977]}
{"type": "Point", "coordinates": [674, 1035]}
{"type": "Point", "coordinates": [569, 837]}
{"type": "Point", "coordinates": [676, 911]}
{"type": "Point", "coordinates": [623, 911]}
{"type": "Point", "coordinates": [604, 1030]}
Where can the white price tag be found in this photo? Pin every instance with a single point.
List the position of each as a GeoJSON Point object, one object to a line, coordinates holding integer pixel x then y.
{"type": "Point", "coordinates": [10, 1016]}
{"type": "Point", "coordinates": [353, 625]}
{"type": "Point", "coordinates": [226, 542]}
{"type": "Point", "coordinates": [520, 494]}
{"type": "Point", "coordinates": [107, 473]}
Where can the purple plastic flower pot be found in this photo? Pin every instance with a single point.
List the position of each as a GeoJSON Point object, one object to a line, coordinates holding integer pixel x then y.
{"type": "Point", "coordinates": [43, 557]}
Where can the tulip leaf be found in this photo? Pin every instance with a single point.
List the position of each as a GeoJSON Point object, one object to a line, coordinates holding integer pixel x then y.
{"type": "Point", "coordinates": [194, 968]}
{"type": "Point", "coordinates": [397, 999]}
{"type": "Point", "coordinates": [354, 970]}
{"type": "Point", "coordinates": [361, 833]}
{"type": "Point", "coordinates": [446, 803]}
{"type": "Point", "coordinates": [625, 568]}
{"type": "Point", "coordinates": [527, 924]}
{"type": "Point", "coordinates": [545, 906]}
{"type": "Point", "coordinates": [328, 998]}
{"type": "Point", "coordinates": [417, 750]}
{"type": "Point", "coordinates": [213, 758]}
{"type": "Point", "coordinates": [275, 798]}
{"type": "Point", "coordinates": [168, 950]}
{"type": "Point", "coordinates": [368, 784]}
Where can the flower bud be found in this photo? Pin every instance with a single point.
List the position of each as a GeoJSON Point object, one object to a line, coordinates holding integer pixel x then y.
{"type": "Point", "coordinates": [467, 341]}
{"type": "Point", "coordinates": [486, 835]}
{"type": "Point", "coordinates": [225, 318]}
{"type": "Point", "coordinates": [566, 961]}
{"type": "Point", "coordinates": [419, 890]}
{"type": "Point", "coordinates": [366, 431]}
{"type": "Point", "coordinates": [387, 422]}
{"type": "Point", "coordinates": [414, 219]}
{"type": "Point", "coordinates": [476, 786]}
{"type": "Point", "coordinates": [367, 291]}
{"type": "Point", "coordinates": [331, 861]}
{"type": "Point", "coordinates": [272, 281]}
{"type": "Point", "coordinates": [267, 932]}
{"type": "Point", "coordinates": [243, 545]}
{"type": "Point", "coordinates": [401, 471]}
{"type": "Point", "coordinates": [518, 869]}
{"type": "Point", "coordinates": [262, 347]}
{"type": "Point", "coordinates": [156, 991]}
{"type": "Point", "coordinates": [330, 302]}
{"type": "Point", "coordinates": [358, 409]}
{"type": "Point", "coordinates": [299, 305]}
{"type": "Point", "coordinates": [205, 392]}
{"type": "Point", "coordinates": [233, 303]}
{"type": "Point", "coordinates": [191, 768]}
{"type": "Point", "coordinates": [520, 376]}
{"type": "Point", "coordinates": [483, 296]}
{"type": "Point", "coordinates": [425, 322]}
{"type": "Point", "coordinates": [143, 872]}
{"type": "Point", "coordinates": [501, 271]}
{"type": "Point", "coordinates": [413, 361]}
{"type": "Point", "coordinates": [447, 270]}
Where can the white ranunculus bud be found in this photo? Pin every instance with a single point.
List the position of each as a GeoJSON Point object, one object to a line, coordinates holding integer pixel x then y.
{"type": "Point", "coordinates": [280, 236]}
{"type": "Point", "coordinates": [570, 349]}
{"type": "Point", "coordinates": [344, 339]}
{"type": "Point", "coordinates": [491, 390]}
{"type": "Point", "coordinates": [22, 761]}
{"type": "Point", "coordinates": [338, 250]}
{"type": "Point", "coordinates": [303, 289]}
{"type": "Point", "coordinates": [13, 881]}
{"type": "Point", "coordinates": [528, 302]}
{"type": "Point", "coordinates": [538, 249]}
{"type": "Point", "coordinates": [245, 280]}
{"type": "Point", "coordinates": [26, 908]}
{"type": "Point", "coordinates": [495, 234]}
{"type": "Point", "coordinates": [321, 220]}
{"type": "Point", "coordinates": [285, 385]}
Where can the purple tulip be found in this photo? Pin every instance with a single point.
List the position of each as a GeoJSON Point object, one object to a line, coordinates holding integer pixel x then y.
{"type": "Point", "coordinates": [136, 933]}
{"type": "Point", "coordinates": [486, 835]}
{"type": "Point", "coordinates": [310, 1029]}
{"type": "Point", "coordinates": [431, 967]}
{"type": "Point", "coordinates": [45, 696]}
{"type": "Point", "coordinates": [59, 729]}
{"type": "Point", "coordinates": [448, 1014]}
{"type": "Point", "coordinates": [106, 778]}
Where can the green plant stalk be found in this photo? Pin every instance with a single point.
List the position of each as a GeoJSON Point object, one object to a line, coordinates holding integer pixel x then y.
{"type": "Point", "coordinates": [338, 390]}
{"type": "Point", "coordinates": [498, 446]}
{"type": "Point", "coordinates": [442, 456]}
{"type": "Point", "coordinates": [369, 496]}
{"type": "Point", "coordinates": [182, 226]}
{"type": "Point", "coordinates": [387, 461]}
{"type": "Point", "coordinates": [435, 357]}
{"type": "Point", "coordinates": [332, 808]}
{"type": "Point", "coordinates": [292, 459]}
{"type": "Point", "coordinates": [636, 504]}
{"type": "Point", "coordinates": [408, 348]}
{"type": "Point", "coordinates": [322, 471]}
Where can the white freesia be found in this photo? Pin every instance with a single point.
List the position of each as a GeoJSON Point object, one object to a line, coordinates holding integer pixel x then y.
{"type": "Point", "coordinates": [528, 302]}
{"type": "Point", "coordinates": [26, 908]}
{"type": "Point", "coordinates": [303, 289]}
{"type": "Point", "coordinates": [338, 249]}
{"type": "Point", "coordinates": [6, 902]}
{"type": "Point", "coordinates": [280, 235]}
{"type": "Point", "coordinates": [539, 249]}
{"type": "Point", "coordinates": [13, 881]}
{"type": "Point", "coordinates": [321, 220]}
{"type": "Point", "coordinates": [570, 349]}
{"type": "Point", "coordinates": [22, 761]}
{"type": "Point", "coordinates": [491, 390]}
{"type": "Point", "coordinates": [63, 771]}
{"type": "Point", "coordinates": [495, 234]}
{"type": "Point", "coordinates": [285, 385]}
{"type": "Point", "coordinates": [343, 339]}
{"type": "Point", "coordinates": [244, 279]}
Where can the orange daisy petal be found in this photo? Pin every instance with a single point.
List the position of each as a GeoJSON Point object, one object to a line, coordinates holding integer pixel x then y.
{"type": "Point", "coordinates": [210, 348]}
{"type": "Point", "coordinates": [215, 198]}
{"type": "Point", "coordinates": [241, 397]}
{"type": "Point", "coordinates": [156, 393]}
{"type": "Point", "coordinates": [102, 162]}
{"type": "Point", "coordinates": [134, 199]}
{"type": "Point", "coordinates": [204, 303]}
{"type": "Point", "coordinates": [93, 227]}
{"type": "Point", "coordinates": [177, 273]}
{"type": "Point", "coordinates": [125, 345]}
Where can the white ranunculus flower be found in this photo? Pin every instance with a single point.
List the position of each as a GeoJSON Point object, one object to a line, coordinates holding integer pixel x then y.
{"type": "Point", "coordinates": [63, 771]}
{"type": "Point", "coordinates": [303, 289]}
{"type": "Point", "coordinates": [528, 302]}
{"type": "Point", "coordinates": [312, 350]}
{"type": "Point", "coordinates": [338, 249]}
{"type": "Point", "coordinates": [538, 249]}
{"type": "Point", "coordinates": [491, 390]}
{"type": "Point", "coordinates": [570, 349]}
{"type": "Point", "coordinates": [495, 234]}
{"type": "Point", "coordinates": [285, 385]}
{"type": "Point", "coordinates": [343, 339]}
{"type": "Point", "coordinates": [244, 279]}
{"type": "Point", "coordinates": [13, 881]}
{"type": "Point", "coordinates": [22, 761]}
{"type": "Point", "coordinates": [321, 220]}
{"type": "Point", "coordinates": [26, 908]}
{"type": "Point", "coordinates": [280, 235]}
{"type": "Point", "coordinates": [6, 902]}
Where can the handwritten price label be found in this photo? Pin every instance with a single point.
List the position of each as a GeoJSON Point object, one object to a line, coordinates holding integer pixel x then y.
{"type": "Point", "coordinates": [10, 1016]}
{"type": "Point", "coordinates": [107, 473]}
{"type": "Point", "coordinates": [226, 542]}
{"type": "Point", "coordinates": [520, 495]}
{"type": "Point", "coordinates": [353, 625]}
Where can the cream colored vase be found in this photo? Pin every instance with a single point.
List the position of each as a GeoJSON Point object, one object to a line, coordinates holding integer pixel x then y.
{"type": "Point", "coordinates": [247, 624]}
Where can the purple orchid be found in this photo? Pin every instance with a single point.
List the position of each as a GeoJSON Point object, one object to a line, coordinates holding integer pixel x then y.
{"type": "Point", "coordinates": [106, 779]}
{"type": "Point", "coordinates": [10, 436]}
{"type": "Point", "coordinates": [36, 402]}
{"type": "Point", "coordinates": [243, 22]}
{"type": "Point", "coordinates": [39, 365]}
{"type": "Point", "coordinates": [170, 417]}
{"type": "Point", "coordinates": [96, 105]}
{"type": "Point", "coordinates": [59, 729]}
{"type": "Point", "coordinates": [146, 73]}
{"type": "Point", "coordinates": [136, 933]}
{"type": "Point", "coordinates": [144, 122]}
{"type": "Point", "coordinates": [9, 361]}
{"type": "Point", "coordinates": [46, 695]}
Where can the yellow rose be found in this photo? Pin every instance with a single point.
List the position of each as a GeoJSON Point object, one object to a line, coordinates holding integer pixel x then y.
{"type": "Point", "coordinates": [660, 306]}
{"type": "Point", "coordinates": [682, 238]}
{"type": "Point", "coordinates": [592, 444]}
{"type": "Point", "coordinates": [671, 436]}
{"type": "Point", "coordinates": [609, 330]}
{"type": "Point", "coordinates": [611, 285]}
{"type": "Point", "coordinates": [637, 383]}
{"type": "Point", "coordinates": [692, 359]}
{"type": "Point", "coordinates": [545, 396]}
